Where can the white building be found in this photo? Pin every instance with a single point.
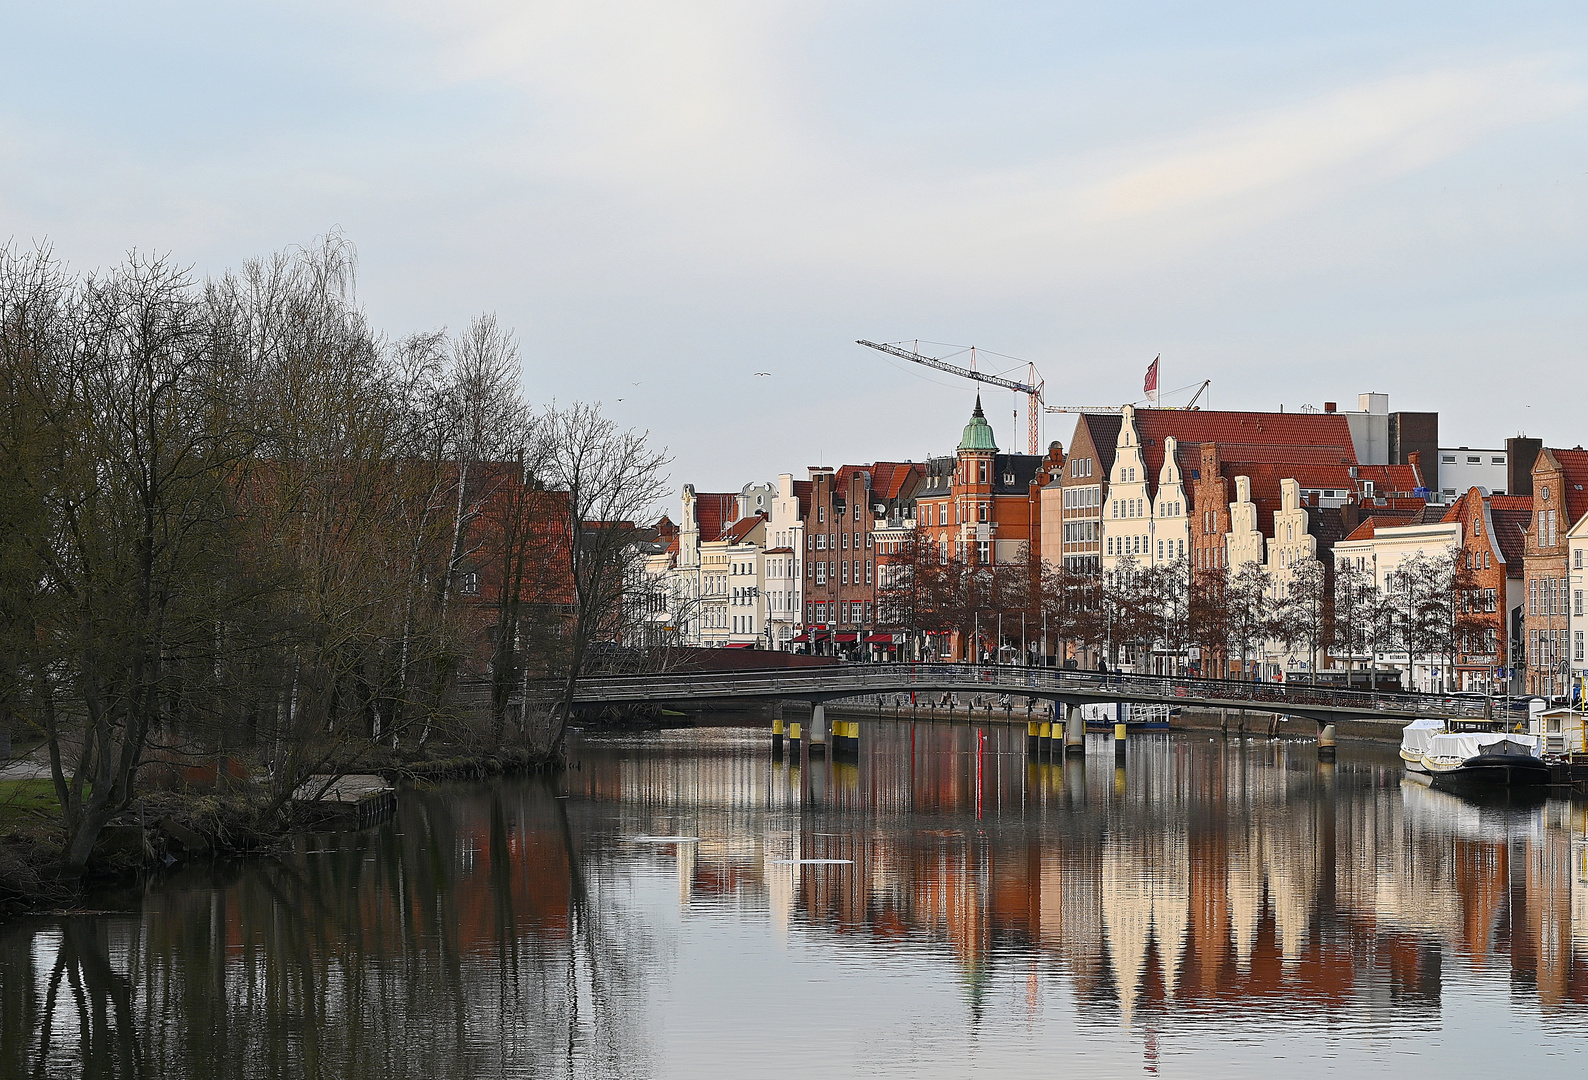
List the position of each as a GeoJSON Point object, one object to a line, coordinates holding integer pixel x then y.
{"type": "Point", "coordinates": [1381, 549]}
{"type": "Point", "coordinates": [785, 553]}
{"type": "Point", "coordinates": [1461, 468]}
{"type": "Point", "coordinates": [1144, 522]}
{"type": "Point", "coordinates": [1244, 543]}
{"type": "Point", "coordinates": [1292, 547]}
{"type": "Point", "coordinates": [1577, 572]}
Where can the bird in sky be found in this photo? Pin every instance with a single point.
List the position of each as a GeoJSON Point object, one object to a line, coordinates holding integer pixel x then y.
{"type": "Point", "coordinates": [764, 374]}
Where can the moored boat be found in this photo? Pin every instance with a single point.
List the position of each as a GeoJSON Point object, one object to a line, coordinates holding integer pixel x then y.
{"type": "Point", "coordinates": [1461, 753]}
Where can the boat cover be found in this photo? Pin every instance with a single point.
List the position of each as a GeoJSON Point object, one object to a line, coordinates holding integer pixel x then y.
{"type": "Point", "coordinates": [1415, 736]}
{"type": "Point", "coordinates": [1469, 744]}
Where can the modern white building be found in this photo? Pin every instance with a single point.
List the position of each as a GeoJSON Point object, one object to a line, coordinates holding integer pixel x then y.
{"type": "Point", "coordinates": [1461, 468]}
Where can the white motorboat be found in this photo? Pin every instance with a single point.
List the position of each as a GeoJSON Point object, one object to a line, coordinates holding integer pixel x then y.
{"type": "Point", "coordinates": [1459, 753]}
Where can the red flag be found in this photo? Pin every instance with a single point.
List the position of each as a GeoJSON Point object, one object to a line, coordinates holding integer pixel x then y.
{"type": "Point", "coordinates": [1151, 385]}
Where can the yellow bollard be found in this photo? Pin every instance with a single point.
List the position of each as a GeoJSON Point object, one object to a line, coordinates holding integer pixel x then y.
{"type": "Point", "coordinates": [1119, 732]}
{"type": "Point", "coordinates": [794, 732]}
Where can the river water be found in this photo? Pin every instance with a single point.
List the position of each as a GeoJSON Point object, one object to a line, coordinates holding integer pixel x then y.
{"type": "Point", "coordinates": [683, 905]}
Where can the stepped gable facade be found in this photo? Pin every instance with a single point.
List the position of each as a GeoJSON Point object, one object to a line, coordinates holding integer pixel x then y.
{"type": "Point", "coordinates": [1493, 549]}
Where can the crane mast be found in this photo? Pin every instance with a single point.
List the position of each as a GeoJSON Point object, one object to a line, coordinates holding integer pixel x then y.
{"type": "Point", "coordinates": [1033, 389]}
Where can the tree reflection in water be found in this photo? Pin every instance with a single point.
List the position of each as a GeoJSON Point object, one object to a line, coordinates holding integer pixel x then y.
{"type": "Point", "coordinates": [1211, 890]}
{"type": "Point", "coordinates": [465, 940]}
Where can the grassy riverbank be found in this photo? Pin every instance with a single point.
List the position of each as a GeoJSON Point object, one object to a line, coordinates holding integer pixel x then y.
{"type": "Point", "coordinates": [183, 823]}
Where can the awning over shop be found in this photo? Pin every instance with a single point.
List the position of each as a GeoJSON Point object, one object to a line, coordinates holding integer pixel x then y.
{"type": "Point", "coordinates": [740, 645]}
{"type": "Point", "coordinates": [880, 639]}
{"type": "Point", "coordinates": [846, 639]}
{"type": "Point", "coordinates": [813, 635]}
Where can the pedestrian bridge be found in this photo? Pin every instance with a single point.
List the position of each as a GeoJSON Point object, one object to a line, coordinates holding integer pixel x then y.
{"type": "Point", "coordinates": [931, 682]}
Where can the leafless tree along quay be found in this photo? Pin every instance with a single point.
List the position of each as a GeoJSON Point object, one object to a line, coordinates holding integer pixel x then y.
{"type": "Point", "coordinates": [244, 533]}
{"type": "Point", "coordinates": [1227, 618]}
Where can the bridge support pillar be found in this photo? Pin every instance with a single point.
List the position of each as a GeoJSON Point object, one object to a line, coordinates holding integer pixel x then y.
{"type": "Point", "coordinates": [1224, 721]}
{"type": "Point", "coordinates": [1326, 742]}
{"type": "Point", "coordinates": [794, 736]}
{"type": "Point", "coordinates": [1074, 731]}
{"type": "Point", "coordinates": [818, 735]}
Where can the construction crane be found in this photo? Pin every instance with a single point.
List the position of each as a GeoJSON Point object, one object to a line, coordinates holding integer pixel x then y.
{"type": "Point", "coordinates": [1190, 405]}
{"type": "Point", "coordinates": [1032, 388]}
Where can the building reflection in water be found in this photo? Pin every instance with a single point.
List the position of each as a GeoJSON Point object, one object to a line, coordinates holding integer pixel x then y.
{"type": "Point", "coordinates": [1224, 873]}
{"type": "Point", "coordinates": [492, 929]}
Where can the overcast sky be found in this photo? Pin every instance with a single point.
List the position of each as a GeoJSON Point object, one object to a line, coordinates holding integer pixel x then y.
{"type": "Point", "coordinates": [666, 198]}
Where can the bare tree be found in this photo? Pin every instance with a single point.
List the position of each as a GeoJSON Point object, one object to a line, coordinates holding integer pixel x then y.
{"type": "Point", "coordinates": [1354, 596]}
{"type": "Point", "coordinates": [1249, 603]}
{"type": "Point", "coordinates": [613, 478]}
{"type": "Point", "coordinates": [1306, 607]}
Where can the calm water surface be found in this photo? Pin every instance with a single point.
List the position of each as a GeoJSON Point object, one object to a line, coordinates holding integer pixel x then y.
{"type": "Point", "coordinates": [940, 908]}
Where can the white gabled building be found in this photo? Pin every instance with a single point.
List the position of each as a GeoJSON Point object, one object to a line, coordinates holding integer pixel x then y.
{"type": "Point", "coordinates": [1148, 523]}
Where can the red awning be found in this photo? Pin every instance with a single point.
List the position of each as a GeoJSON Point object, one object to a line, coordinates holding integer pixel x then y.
{"type": "Point", "coordinates": [812, 635]}
{"type": "Point", "coordinates": [740, 645]}
{"type": "Point", "coordinates": [846, 638]}
{"type": "Point", "coordinates": [880, 639]}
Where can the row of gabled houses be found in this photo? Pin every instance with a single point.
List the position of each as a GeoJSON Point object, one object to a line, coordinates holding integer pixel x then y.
{"type": "Point", "coordinates": [802, 563]}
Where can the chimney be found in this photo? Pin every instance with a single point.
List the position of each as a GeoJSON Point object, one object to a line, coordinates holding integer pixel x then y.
{"type": "Point", "coordinates": [1520, 454]}
{"type": "Point", "coordinates": [1329, 406]}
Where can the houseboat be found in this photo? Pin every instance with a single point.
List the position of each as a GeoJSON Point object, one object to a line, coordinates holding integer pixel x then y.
{"type": "Point", "coordinates": [1471, 753]}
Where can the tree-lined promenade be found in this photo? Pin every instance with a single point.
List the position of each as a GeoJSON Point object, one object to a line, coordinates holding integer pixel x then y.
{"type": "Point", "coordinates": [1223, 618]}
{"type": "Point", "coordinates": [242, 531]}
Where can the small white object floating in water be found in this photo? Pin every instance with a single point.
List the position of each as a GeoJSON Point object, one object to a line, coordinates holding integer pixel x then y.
{"type": "Point", "coordinates": [812, 862]}
{"type": "Point", "coordinates": [664, 839]}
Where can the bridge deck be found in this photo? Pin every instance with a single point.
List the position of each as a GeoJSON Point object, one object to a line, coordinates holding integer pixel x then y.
{"type": "Point", "coordinates": [1070, 687]}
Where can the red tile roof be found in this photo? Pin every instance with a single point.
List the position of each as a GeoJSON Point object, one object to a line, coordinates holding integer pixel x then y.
{"type": "Point", "coordinates": [802, 492]}
{"type": "Point", "coordinates": [889, 479]}
{"type": "Point", "coordinates": [1252, 437]}
{"type": "Point", "coordinates": [1509, 514]}
{"type": "Point", "coordinates": [714, 509]}
{"type": "Point", "coordinates": [1370, 526]}
{"type": "Point", "coordinates": [1574, 464]}
{"type": "Point", "coordinates": [737, 531]}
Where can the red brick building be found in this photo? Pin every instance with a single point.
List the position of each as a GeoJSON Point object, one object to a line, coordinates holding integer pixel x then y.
{"type": "Point", "coordinates": [1560, 498]}
{"type": "Point", "coordinates": [1493, 550]}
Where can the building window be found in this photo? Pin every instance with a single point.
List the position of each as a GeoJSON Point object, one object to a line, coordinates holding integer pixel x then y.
{"type": "Point", "coordinates": [1576, 603]}
{"type": "Point", "coordinates": [868, 573]}
{"type": "Point", "coordinates": [1576, 646]}
{"type": "Point", "coordinates": [981, 473]}
{"type": "Point", "coordinates": [1576, 559]}
{"type": "Point", "coordinates": [469, 583]}
{"type": "Point", "coordinates": [984, 552]}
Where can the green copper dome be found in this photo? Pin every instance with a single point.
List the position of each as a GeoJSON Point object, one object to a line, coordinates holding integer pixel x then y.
{"type": "Point", "coordinates": [978, 433]}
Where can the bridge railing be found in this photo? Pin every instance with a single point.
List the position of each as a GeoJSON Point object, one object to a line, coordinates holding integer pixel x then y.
{"type": "Point", "coordinates": [1004, 678]}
